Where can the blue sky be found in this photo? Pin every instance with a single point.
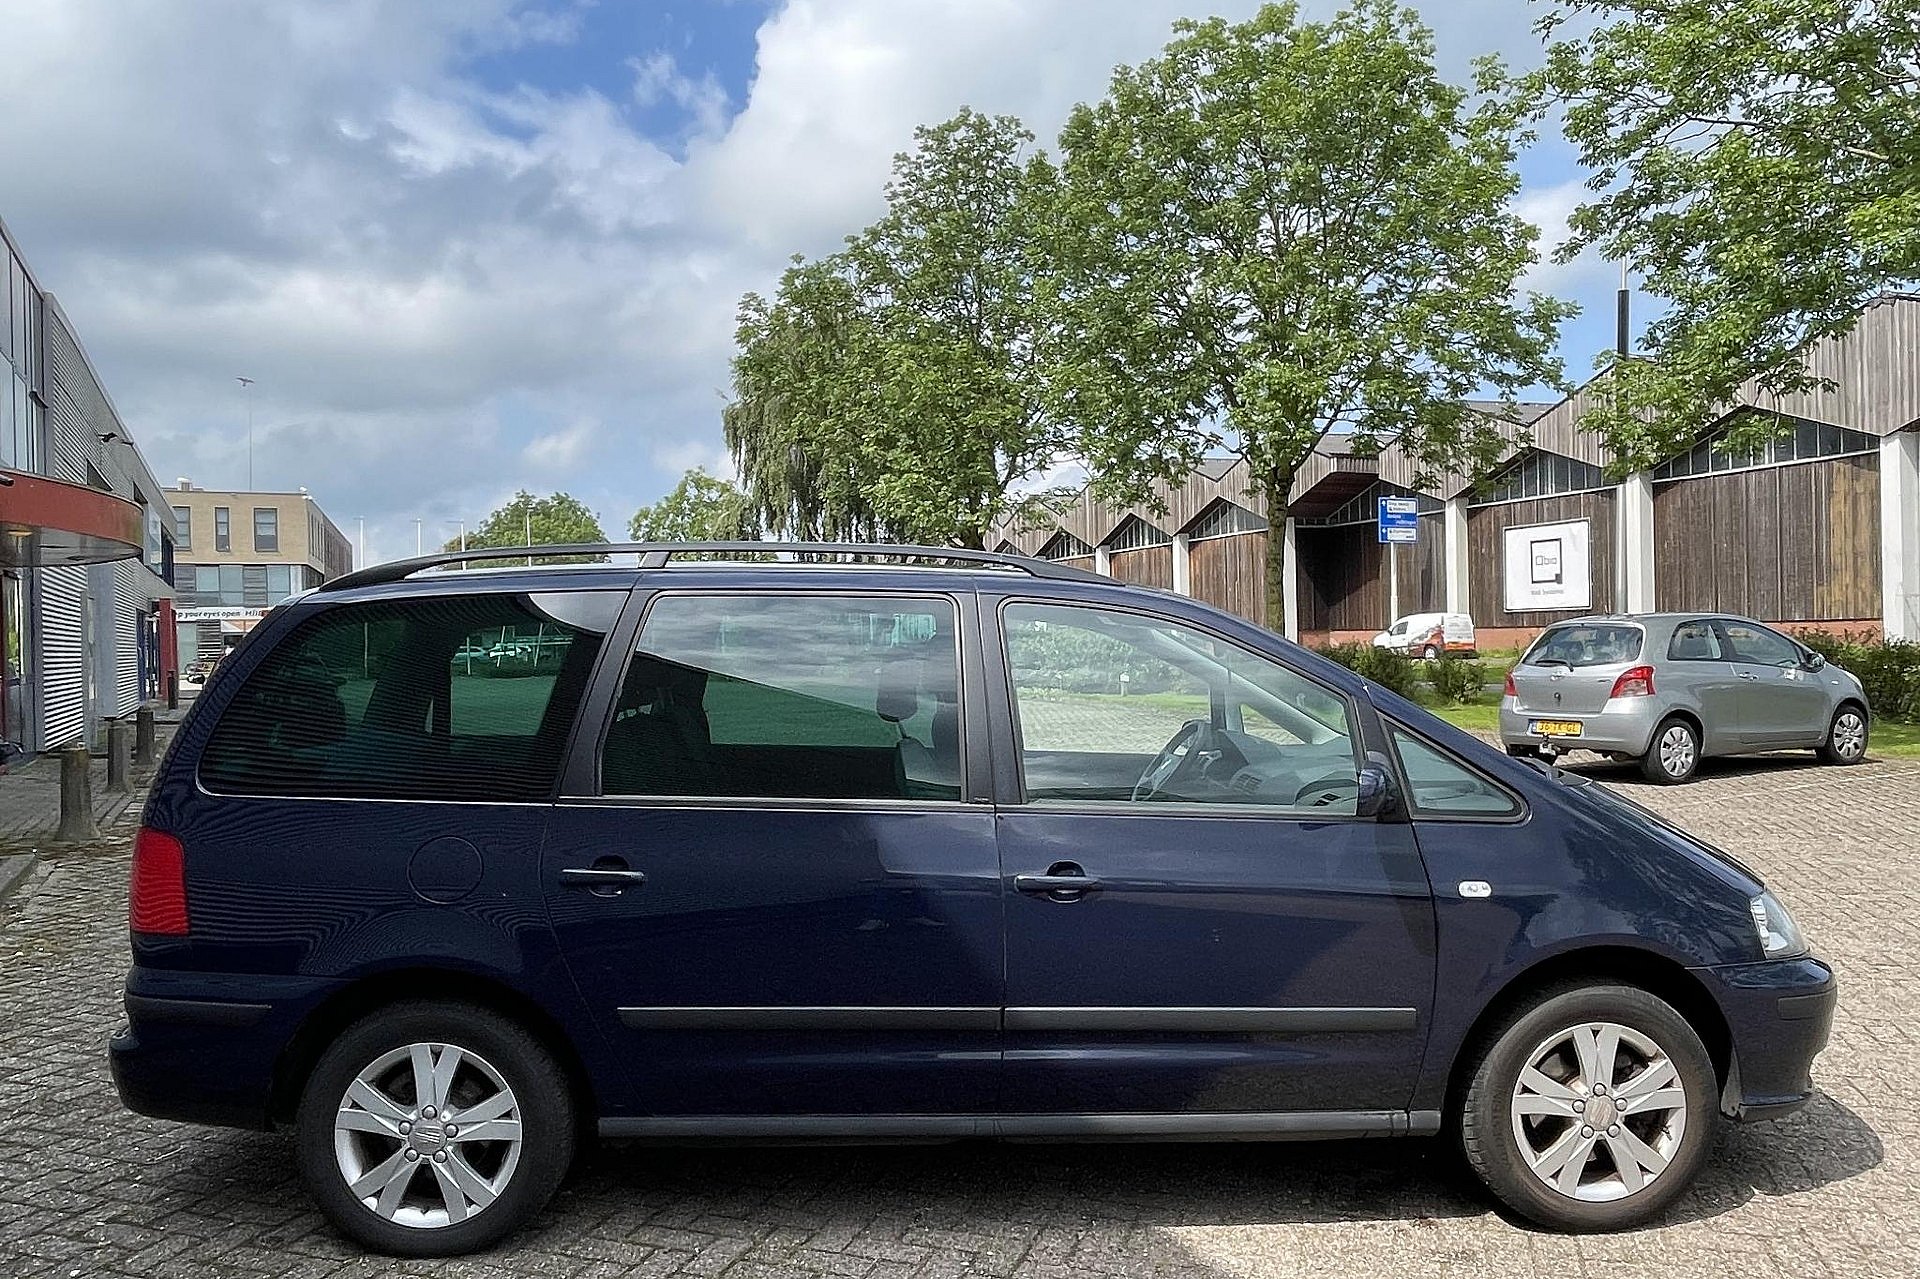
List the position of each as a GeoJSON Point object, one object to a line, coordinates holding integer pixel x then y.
{"type": "Point", "coordinates": [469, 245]}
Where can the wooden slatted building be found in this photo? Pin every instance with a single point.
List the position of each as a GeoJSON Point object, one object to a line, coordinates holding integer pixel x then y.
{"type": "Point", "coordinates": [1820, 528]}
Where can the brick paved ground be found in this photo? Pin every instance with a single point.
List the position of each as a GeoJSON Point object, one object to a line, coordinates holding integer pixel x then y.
{"type": "Point", "coordinates": [86, 1189]}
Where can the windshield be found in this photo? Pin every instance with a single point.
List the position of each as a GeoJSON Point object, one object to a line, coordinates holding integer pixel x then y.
{"type": "Point", "coordinates": [1585, 644]}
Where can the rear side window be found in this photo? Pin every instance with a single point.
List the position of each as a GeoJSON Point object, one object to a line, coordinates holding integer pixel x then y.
{"type": "Point", "coordinates": [465, 698]}
{"type": "Point", "coordinates": [789, 696]}
{"type": "Point", "coordinates": [1585, 644]}
{"type": "Point", "coordinates": [1694, 642]}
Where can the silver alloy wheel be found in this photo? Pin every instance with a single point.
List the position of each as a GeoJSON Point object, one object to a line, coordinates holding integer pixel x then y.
{"type": "Point", "coordinates": [1849, 734]}
{"type": "Point", "coordinates": [1677, 750]}
{"type": "Point", "coordinates": [427, 1106]}
{"type": "Point", "coordinates": [1599, 1111]}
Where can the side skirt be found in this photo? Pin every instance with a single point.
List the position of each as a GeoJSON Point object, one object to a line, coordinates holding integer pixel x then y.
{"type": "Point", "coordinates": [883, 1129]}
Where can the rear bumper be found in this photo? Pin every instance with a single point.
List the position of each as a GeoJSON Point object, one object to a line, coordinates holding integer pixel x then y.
{"type": "Point", "coordinates": [1779, 1014]}
{"type": "Point", "coordinates": [1625, 726]}
{"type": "Point", "coordinates": [204, 1060]}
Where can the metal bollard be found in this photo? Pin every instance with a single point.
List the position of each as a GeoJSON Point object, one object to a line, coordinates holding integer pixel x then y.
{"type": "Point", "coordinates": [143, 737]}
{"type": "Point", "coordinates": [76, 797]}
{"type": "Point", "coordinates": [173, 690]}
{"type": "Point", "coordinates": [119, 756]}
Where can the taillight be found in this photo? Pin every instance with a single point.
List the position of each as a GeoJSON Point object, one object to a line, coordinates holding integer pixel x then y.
{"type": "Point", "coordinates": [157, 896]}
{"type": "Point", "coordinates": [1637, 682]}
{"type": "Point", "coordinates": [1511, 690]}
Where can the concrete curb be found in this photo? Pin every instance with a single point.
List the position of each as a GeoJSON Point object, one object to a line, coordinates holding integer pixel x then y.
{"type": "Point", "coordinates": [13, 870]}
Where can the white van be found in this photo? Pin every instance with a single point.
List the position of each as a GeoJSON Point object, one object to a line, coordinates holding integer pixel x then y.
{"type": "Point", "coordinates": [1429, 635]}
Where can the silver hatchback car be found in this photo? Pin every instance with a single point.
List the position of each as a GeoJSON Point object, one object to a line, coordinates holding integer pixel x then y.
{"type": "Point", "coordinates": [1670, 689]}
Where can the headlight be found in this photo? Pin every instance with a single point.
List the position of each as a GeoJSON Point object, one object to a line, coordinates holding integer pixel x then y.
{"type": "Point", "coordinates": [1779, 936]}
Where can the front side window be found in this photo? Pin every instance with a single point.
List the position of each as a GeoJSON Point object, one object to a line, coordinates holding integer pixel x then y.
{"type": "Point", "coordinates": [789, 696]}
{"type": "Point", "coordinates": [222, 529]}
{"type": "Point", "coordinates": [266, 528]}
{"type": "Point", "coordinates": [1440, 785]}
{"type": "Point", "coordinates": [451, 698]}
{"type": "Point", "coordinates": [1124, 709]}
{"type": "Point", "coordinates": [1759, 646]}
{"type": "Point", "coordinates": [1585, 644]}
{"type": "Point", "coordinates": [1694, 642]}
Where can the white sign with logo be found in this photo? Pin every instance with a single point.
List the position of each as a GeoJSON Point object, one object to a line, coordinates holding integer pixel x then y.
{"type": "Point", "coordinates": [1548, 566]}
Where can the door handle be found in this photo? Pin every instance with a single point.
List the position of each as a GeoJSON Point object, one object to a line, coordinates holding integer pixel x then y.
{"type": "Point", "coordinates": [607, 877]}
{"type": "Point", "coordinates": [1748, 675]}
{"type": "Point", "coordinates": [1063, 882]}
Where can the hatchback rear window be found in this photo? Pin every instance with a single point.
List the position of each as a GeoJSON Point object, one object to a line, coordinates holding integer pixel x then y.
{"type": "Point", "coordinates": [1585, 644]}
{"type": "Point", "coordinates": [452, 697]}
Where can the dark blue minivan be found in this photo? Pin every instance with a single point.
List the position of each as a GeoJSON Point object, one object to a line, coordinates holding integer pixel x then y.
{"type": "Point", "coordinates": [450, 870]}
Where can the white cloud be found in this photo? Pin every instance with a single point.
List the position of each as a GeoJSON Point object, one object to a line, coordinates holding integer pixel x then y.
{"type": "Point", "coordinates": [453, 287]}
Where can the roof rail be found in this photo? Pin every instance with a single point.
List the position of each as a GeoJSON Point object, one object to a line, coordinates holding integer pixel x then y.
{"type": "Point", "coordinates": [659, 554]}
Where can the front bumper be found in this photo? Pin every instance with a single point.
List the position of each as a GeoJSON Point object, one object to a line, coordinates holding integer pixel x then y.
{"type": "Point", "coordinates": [1623, 727]}
{"type": "Point", "coordinates": [1779, 1013]}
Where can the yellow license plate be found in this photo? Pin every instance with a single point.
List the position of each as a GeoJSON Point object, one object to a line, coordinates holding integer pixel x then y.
{"type": "Point", "coordinates": [1556, 727]}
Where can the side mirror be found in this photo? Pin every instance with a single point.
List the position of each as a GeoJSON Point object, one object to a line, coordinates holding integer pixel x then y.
{"type": "Point", "coordinates": [1813, 661]}
{"type": "Point", "coordinates": [1378, 796]}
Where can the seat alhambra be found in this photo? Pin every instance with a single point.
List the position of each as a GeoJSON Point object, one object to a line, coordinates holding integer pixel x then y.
{"type": "Point", "coordinates": [886, 844]}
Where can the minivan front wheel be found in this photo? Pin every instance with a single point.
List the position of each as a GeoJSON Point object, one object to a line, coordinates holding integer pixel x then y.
{"type": "Point", "coordinates": [1673, 754]}
{"type": "Point", "coordinates": [1592, 1110]}
{"type": "Point", "coordinates": [430, 1129]}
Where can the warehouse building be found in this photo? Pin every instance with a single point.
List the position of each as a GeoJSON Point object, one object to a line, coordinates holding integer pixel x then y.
{"type": "Point", "coordinates": [1821, 528]}
{"type": "Point", "coordinates": [86, 555]}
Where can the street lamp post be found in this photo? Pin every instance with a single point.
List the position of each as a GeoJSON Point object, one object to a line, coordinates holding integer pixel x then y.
{"type": "Point", "coordinates": [246, 392]}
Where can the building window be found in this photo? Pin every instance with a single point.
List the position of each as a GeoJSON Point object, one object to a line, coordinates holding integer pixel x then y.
{"type": "Point", "coordinates": [1540, 474]}
{"type": "Point", "coordinates": [183, 527]}
{"type": "Point", "coordinates": [279, 582]}
{"type": "Point", "coordinates": [1136, 533]}
{"type": "Point", "coordinates": [1364, 507]}
{"type": "Point", "coordinates": [1224, 519]}
{"type": "Point", "coordinates": [1064, 546]}
{"type": "Point", "coordinates": [1805, 442]}
{"type": "Point", "coordinates": [222, 530]}
{"type": "Point", "coordinates": [266, 528]}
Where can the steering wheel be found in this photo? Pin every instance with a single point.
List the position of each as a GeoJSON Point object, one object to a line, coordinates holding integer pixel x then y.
{"type": "Point", "coordinates": [1188, 746]}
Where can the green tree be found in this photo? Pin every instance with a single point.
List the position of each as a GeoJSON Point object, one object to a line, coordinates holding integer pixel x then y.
{"type": "Point", "coordinates": [701, 508]}
{"type": "Point", "coordinates": [1759, 164]}
{"type": "Point", "coordinates": [555, 520]}
{"type": "Point", "coordinates": [901, 386]}
{"type": "Point", "coordinates": [1279, 229]}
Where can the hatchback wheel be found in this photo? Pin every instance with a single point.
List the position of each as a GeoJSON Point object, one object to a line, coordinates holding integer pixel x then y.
{"type": "Point", "coordinates": [1846, 736]}
{"type": "Point", "coordinates": [429, 1130]}
{"type": "Point", "coordinates": [1674, 753]}
{"type": "Point", "coordinates": [1592, 1110]}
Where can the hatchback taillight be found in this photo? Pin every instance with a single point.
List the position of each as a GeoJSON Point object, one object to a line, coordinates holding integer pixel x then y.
{"type": "Point", "coordinates": [157, 896]}
{"type": "Point", "coordinates": [1511, 690]}
{"type": "Point", "coordinates": [1637, 682]}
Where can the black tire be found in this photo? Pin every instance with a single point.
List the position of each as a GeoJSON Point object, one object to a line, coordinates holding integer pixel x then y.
{"type": "Point", "coordinates": [1493, 1149]}
{"type": "Point", "coordinates": [1431, 653]}
{"type": "Point", "coordinates": [1659, 766]}
{"type": "Point", "coordinates": [546, 1116]}
{"type": "Point", "coordinates": [1524, 752]}
{"type": "Point", "coordinates": [1850, 754]}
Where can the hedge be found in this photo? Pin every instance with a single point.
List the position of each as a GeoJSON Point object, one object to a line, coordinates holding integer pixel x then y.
{"type": "Point", "coordinates": [1889, 669]}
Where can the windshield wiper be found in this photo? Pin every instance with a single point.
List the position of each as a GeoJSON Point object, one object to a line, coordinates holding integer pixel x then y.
{"type": "Point", "coordinates": [1550, 661]}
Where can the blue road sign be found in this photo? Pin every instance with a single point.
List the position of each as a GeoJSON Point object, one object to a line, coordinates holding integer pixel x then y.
{"type": "Point", "coordinates": [1399, 519]}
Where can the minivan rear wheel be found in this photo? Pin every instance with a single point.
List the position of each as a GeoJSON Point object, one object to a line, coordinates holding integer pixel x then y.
{"type": "Point", "coordinates": [434, 1129]}
{"type": "Point", "coordinates": [1591, 1110]}
{"type": "Point", "coordinates": [1673, 754]}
